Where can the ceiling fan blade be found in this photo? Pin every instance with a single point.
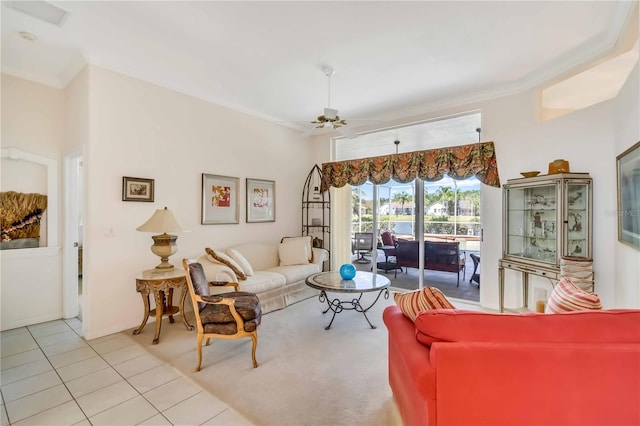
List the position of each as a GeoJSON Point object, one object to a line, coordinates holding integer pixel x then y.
{"type": "Point", "coordinates": [347, 132]}
{"type": "Point", "coordinates": [313, 131]}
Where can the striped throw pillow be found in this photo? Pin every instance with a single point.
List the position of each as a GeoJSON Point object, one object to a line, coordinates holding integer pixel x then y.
{"type": "Point", "coordinates": [414, 302]}
{"type": "Point", "coordinates": [567, 296]}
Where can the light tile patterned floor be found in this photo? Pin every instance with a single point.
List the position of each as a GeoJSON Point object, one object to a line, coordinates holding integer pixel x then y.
{"type": "Point", "coordinates": [50, 375]}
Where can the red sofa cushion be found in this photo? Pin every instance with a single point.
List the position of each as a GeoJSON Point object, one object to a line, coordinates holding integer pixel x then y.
{"type": "Point", "coordinates": [609, 326]}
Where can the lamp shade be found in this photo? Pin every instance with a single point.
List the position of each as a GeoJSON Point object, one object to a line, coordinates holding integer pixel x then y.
{"type": "Point", "coordinates": [162, 221]}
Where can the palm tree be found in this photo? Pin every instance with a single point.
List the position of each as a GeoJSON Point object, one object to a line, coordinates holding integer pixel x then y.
{"type": "Point", "coordinates": [402, 197]}
{"type": "Point", "coordinates": [429, 199]}
{"type": "Point", "coordinates": [473, 197]}
{"type": "Point", "coordinates": [446, 195]}
{"type": "Point", "coordinates": [355, 201]}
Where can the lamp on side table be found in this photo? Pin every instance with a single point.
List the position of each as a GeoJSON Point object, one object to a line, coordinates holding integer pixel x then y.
{"type": "Point", "coordinates": [164, 245]}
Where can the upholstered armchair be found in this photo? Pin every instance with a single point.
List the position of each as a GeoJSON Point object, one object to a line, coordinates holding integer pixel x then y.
{"type": "Point", "coordinates": [230, 315]}
{"type": "Point", "coordinates": [389, 245]}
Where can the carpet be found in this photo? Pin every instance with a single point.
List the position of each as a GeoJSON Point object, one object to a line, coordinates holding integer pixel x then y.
{"type": "Point", "coordinates": [306, 375]}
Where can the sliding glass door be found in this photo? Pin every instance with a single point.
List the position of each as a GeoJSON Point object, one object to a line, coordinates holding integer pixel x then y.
{"type": "Point", "coordinates": [446, 211]}
{"type": "Point", "coordinates": [417, 211]}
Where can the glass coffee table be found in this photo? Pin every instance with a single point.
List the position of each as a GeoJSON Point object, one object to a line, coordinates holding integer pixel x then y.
{"type": "Point", "coordinates": [363, 282]}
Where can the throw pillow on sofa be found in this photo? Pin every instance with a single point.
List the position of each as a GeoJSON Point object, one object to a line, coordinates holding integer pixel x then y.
{"type": "Point", "coordinates": [241, 261]}
{"type": "Point", "coordinates": [293, 252]}
{"type": "Point", "coordinates": [414, 302]}
{"type": "Point", "coordinates": [307, 241]}
{"type": "Point", "coordinates": [567, 296]}
{"type": "Point", "coordinates": [217, 256]}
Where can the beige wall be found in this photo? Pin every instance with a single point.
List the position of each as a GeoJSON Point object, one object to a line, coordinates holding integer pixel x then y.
{"type": "Point", "coordinates": [32, 117]}
{"type": "Point", "coordinates": [584, 138]}
{"type": "Point", "coordinates": [142, 130]}
{"type": "Point", "coordinates": [627, 132]}
{"type": "Point", "coordinates": [33, 122]}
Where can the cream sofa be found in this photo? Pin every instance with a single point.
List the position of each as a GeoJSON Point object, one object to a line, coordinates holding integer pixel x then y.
{"type": "Point", "coordinates": [276, 286]}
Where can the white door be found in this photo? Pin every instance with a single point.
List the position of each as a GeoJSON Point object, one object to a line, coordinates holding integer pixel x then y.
{"type": "Point", "coordinates": [73, 236]}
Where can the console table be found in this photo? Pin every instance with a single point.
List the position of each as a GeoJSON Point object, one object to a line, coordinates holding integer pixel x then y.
{"type": "Point", "coordinates": [526, 271]}
{"type": "Point", "coordinates": [161, 284]}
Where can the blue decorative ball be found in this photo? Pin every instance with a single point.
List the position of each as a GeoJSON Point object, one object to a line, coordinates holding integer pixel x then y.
{"type": "Point", "coordinates": [347, 271]}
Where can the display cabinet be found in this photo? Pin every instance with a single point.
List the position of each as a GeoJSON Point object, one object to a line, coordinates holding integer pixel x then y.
{"type": "Point", "coordinates": [316, 211]}
{"type": "Point", "coordinates": [545, 218]}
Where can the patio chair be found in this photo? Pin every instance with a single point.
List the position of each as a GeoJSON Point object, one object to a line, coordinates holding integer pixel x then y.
{"type": "Point", "coordinates": [387, 243]}
{"type": "Point", "coordinates": [363, 244]}
{"type": "Point", "coordinates": [476, 262]}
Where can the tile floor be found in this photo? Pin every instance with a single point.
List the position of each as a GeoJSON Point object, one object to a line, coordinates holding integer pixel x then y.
{"type": "Point", "coordinates": [52, 376]}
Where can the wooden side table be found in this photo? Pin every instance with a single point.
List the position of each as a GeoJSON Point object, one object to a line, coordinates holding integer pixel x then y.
{"type": "Point", "coordinates": [161, 284]}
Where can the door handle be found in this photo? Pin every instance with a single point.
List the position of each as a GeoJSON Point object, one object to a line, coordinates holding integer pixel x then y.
{"type": "Point", "coordinates": [75, 244]}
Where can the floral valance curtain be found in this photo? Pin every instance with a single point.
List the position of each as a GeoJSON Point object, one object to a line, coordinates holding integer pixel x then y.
{"type": "Point", "coordinates": [459, 162]}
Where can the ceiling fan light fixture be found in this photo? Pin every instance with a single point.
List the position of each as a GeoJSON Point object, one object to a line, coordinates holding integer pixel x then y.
{"type": "Point", "coordinates": [330, 113]}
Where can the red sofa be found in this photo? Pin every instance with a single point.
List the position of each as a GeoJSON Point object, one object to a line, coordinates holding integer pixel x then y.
{"type": "Point", "coordinates": [455, 367]}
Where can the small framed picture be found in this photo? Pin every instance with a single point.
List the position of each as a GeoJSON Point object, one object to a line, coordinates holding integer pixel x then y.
{"type": "Point", "coordinates": [261, 200]}
{"type": "Point", "coordinates": [219, 199]}
{"type": "Point", "coordinates": [628, 170]}
{"type": "Point", "coordinates": [137, 189]}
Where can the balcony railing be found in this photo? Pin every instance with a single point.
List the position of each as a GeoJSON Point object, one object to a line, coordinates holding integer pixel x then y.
{"type": "Point", "coordinates": [467, 232]}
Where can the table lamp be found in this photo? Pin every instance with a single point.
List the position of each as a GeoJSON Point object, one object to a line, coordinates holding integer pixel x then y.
{"type": "Point", "coordinates": [164, 245]}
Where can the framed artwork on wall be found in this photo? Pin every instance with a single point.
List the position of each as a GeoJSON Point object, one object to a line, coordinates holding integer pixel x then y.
{"type": "Point", "coordinates": [220, 201]}
{"type": "Point", "coordinates": [628, 171]}
{"type": "Point", "coordinates": [261, 200]}
{"type": "Point", "coordinates": [137, 189]}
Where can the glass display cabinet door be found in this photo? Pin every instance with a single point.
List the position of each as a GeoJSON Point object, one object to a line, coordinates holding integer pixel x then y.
{"type": "Point", "coordinates": [532, 214]}
{"type": "Point", "coordinates": [577, 220]}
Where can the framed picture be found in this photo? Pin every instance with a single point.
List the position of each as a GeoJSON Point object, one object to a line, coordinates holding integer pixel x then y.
{"type": "Point", "coordinates": [137, 189]}
{"type": "Point", "coordinates": [219, 199]}
{"type": "Point", "coordinates": [261, 200]}
{"type": "Point", "coordinates": [628, 171]}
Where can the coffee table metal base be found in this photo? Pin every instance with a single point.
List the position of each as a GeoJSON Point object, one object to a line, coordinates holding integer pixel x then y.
{"type": "Point", "coordinates": [336, 305]}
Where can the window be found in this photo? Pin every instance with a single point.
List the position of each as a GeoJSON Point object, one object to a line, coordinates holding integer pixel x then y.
{"type": "Point", "coordinates": [451, 207]}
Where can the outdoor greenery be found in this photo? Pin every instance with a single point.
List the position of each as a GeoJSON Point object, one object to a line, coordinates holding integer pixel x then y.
{"type": "Point", "coordinates": [362, 215]}
{"type": "Point", "coordinates": [444, 195]}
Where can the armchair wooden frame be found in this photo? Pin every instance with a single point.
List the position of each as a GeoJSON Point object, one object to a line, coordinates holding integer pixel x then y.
{"type": "Point", "coordinates": [220, 300]}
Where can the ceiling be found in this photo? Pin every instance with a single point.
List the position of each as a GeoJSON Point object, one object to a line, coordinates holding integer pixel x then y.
{"type": "Point", "coordinates": [391, 59]}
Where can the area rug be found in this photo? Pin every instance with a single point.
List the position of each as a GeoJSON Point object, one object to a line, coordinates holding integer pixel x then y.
{"type": "Point", "coordinates": [306, 375]}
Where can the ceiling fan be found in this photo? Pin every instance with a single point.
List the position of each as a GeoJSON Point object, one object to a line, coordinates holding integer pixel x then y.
{"type": "Point", "coordinates": [330, 120]}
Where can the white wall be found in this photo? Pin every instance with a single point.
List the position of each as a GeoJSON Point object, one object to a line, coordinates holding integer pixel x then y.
{"type": "Point", "coordinates": [584, 138]}
{"type": "Point", "coordinates": [142, 130]}
{"type": "Point", "coordinates": [627, 132]}
{"type": "Point", "coordinates": [31, 279]}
